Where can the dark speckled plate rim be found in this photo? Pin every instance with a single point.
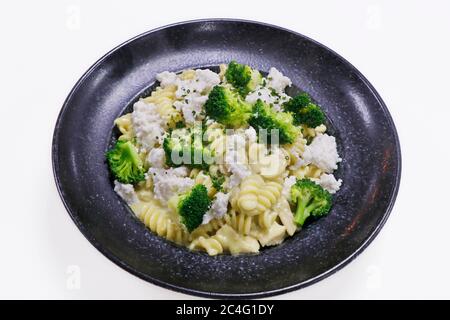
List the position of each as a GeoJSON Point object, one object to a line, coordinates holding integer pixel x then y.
{"type": "Point", "coordinates": [158, 282]}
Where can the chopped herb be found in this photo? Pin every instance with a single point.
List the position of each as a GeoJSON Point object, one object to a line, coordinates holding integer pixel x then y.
{"type": "Point", "coordinates": [217, 182]}
{"type": "Point", "coordinates": [179, 124]}
{"type": "Point", "coordinates": [273, 92]}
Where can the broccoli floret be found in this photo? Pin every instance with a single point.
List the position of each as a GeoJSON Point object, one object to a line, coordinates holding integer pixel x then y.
{"type": "Point", "coordinates": [191, 206]}
{"type": "Point", "coordinates": [264, 117]}
{"type": "Point", "coordinates": [226, 107]}
{"type": "Point", "coordinates": [296, 103]}
{"type": "Point", "coordinates": [242, 77]}
{"type": "Point", "coordinates": [305, 111]}
{"type": "Point", "coordinates": [311, 116]}
{"type": "Point", "coordinates": [125, 163]}
{"type": "Point", "coordinates": [311, 200]}
{"type": "Point", "coordinates": [184, 147]}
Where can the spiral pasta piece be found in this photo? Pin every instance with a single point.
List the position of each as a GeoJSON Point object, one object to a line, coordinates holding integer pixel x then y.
{"type": "Point", "coordinates": [256, 196]}
{"type": "Point", "coordinates": [286, 216]}
{"type": "Point", "coordinates": [240, 222]}
{"type": "Point", "coordinates": [270, 165]}
{"type": "Point", "coordinates": [158, 220]}
{"type": "Point", "coordinates": [211, 245]}
{"type": "Point", "coordinates": [267, 218]}
{"type": "Point", "coordinates": [188, 74]}
{"type": "Point", "coordinates": [125, 126]}
{"type": "Point", "coordinates": [295, 150]}
{"type": "Point", "coordinates": [205, 179]}
{"type": "Point", "coordinates": [271, 236]}
{"type": "Point", "coordinates": [226, 239]}
{"type": "Point", "coordinates": [207, 229]}
{"type": "Point", "coordinates": [309, 171]}
{"type": "Point", "coordinates": [312, 132]}
{"type": "Point", "coordinates": [164, 99]}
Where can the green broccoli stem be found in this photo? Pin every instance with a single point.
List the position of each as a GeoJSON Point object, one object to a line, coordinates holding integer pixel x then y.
{"type": "Point", "coordinates": [302, 212]}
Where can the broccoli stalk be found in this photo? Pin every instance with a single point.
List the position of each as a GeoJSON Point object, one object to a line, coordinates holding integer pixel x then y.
{"type": "Point", "coordinates": [311, 200]}
{"type": "Point", "coordinates": [264, 117]}
{"type": "Point", "coordinates": [243, 78]}
{"type": "Point", "coordinates": [305, 111]}
{"type": "Point", "coordinates": [226, 107]}
{"type": "Point", "coordinates": [125, 163]}
{"type": "Point", "coordinates": [191, 206]}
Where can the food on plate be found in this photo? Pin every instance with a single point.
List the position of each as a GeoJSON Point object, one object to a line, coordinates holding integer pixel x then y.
{"type": "Point", "coordinates": [225, 162]}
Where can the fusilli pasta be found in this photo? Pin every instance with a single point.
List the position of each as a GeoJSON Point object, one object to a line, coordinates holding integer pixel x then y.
{"type": "Point", "coordinates": [226, 239]}
{"type": "Point", "coordinates": [240, 222]}
{"type": "Point", "coordinates": [125, 126]}
{"type": "Point", "coordinates": [164, 99]}
{"type": "Point", "coordinates": [157, 219]}
{"type": "Point", "coordinates": [256, 196]}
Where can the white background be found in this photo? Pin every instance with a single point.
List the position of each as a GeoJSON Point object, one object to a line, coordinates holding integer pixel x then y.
{"type": "Point", "coordinates": [402, 47]}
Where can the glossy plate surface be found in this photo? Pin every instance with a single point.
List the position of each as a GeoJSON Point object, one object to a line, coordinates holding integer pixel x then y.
{"type": "Point", "coordinates": [364, 130]}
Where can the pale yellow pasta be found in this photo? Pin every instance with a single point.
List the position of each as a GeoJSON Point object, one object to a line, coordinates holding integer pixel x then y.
{"type": "Point", "coordinates": [205, 179]}
{"type": "Point", "coordinates": [164, 99]}
{"type": "Point", "coordinates": [286, 216]}
{"type": "Point", "coordinates": [267, 218]}
{"type": "Point", "coordinates": [234, 242]}
{"type": "Point", "coordinates": [214, 170]}
{"type": "Point", "coordinates": [271, 236]}
{"type": "Point", "coordinates": [222, 70]}
{"type": "Point", "coordinates": [295, 149]}
{"type": "Point", "coordinates": [159, 220]}
{"type": "Point", "coordinates": [240, 222]}
{"type": "Point", "coordinates": [256, 196]}
{"type": "Point", "coordinates": [211, 245]}
{"type": "Point", "coordinates": [226, 239]}
{"type": "Point", "coordinates": [125, 126]}
{"type": "Point", "coordinates": [312, 132]}
{"type": "Point", "coordinates": [207, 229]}
{"type": "Point", "coordinates": [256, 151]}
{"type": "Point", "coordinates": [217, 146]}
{"type": "Point", "coordinates": [144, 190]}
{"type": "Point", "coordinates": [187, 74]}
{"type": "Point", "coordinates": [269, 165]}
{"type": "Point", "coordinates": [309, 171]}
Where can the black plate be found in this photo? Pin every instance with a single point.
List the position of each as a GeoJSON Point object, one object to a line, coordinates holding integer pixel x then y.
{"type": "Point", "coordinates": [358, 117]}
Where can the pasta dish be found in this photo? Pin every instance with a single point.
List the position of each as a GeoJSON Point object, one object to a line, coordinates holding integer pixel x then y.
{"type": "Point", "coordinates": [225, 162]}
